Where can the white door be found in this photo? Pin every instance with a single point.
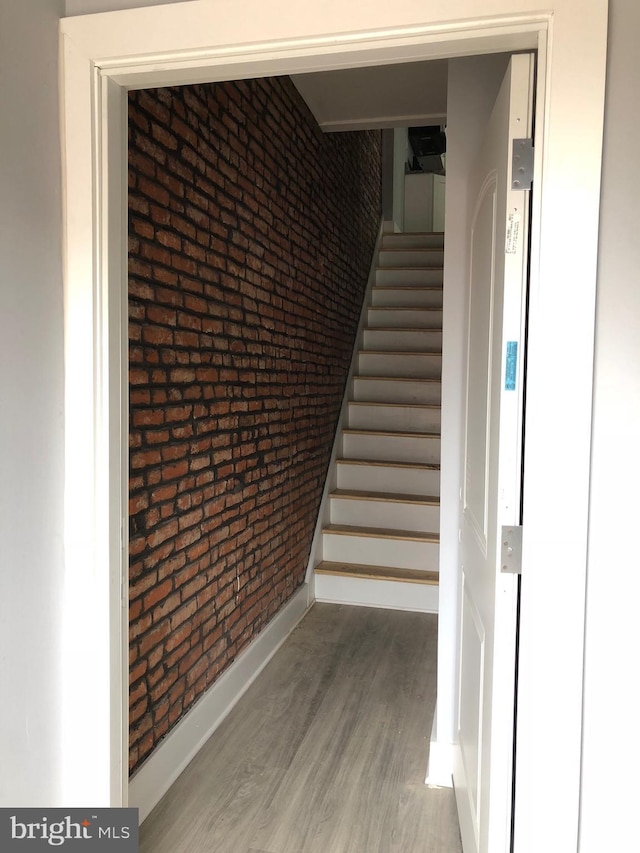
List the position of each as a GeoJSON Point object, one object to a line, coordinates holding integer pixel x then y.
{"type": "Point", "coordinates": [492, 472]}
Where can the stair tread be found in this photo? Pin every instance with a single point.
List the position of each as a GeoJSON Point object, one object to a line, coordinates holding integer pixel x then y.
{"type": "Point", "coordinates": [412, 287]}
{"type": "Point", "coordinates": [400, 352]}
{"type": "Point", "coordinates": [382, 533]}
{"type": "Point", "coordinates": [411, 268]}
{"type": "Point", "coordinates": [412, 308]}
{"type": "Point", "coordinates": [437, 328]}
{"type": "Point", "coordinates": [412, 249]}
{"type": "Point", "coordinates": [396, 434]}
{"type": "Point", "coordinates": [384, 463]}
{"type": "Point", "coordinates": [394, 405]}
{"type": "Point", "coordinates": [383, 573]}
{"type": "Point", "coordinates": [402, 307]}
{"type": "Point", "coordinates": [389, 234]}
{"type": "Point", "coordinates": [392, 497]}
{"type": "Point", "coordinates": [396, 379]}
{"type": "Point", "coordinates": [402, 329]}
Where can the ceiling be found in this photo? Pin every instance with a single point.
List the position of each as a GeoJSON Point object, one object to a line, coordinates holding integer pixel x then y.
{"type": "Point", "coordinates": [414, 93]}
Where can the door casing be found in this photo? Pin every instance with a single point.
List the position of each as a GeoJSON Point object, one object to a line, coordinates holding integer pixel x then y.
{"type": "Point", "coordinates": [102, 56]}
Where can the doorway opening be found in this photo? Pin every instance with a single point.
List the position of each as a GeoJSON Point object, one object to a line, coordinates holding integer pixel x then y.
{"type": "Point", "coordinates": [145, 48]}
{"type": "Point", "coordinates": [203, 244]}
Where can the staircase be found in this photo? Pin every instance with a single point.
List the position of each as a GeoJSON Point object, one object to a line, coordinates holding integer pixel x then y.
{"type": "Point", "coordinates": [380, 546]}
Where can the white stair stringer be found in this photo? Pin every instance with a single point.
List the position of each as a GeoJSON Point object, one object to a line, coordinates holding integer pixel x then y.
{"type": "Point", "coordinates": [381, 515]}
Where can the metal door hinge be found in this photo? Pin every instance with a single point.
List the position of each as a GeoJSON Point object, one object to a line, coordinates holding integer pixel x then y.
{"type": "Point", "coordinates": [522, 164]}
{"type": "Point", "coordinates": [511, 550]}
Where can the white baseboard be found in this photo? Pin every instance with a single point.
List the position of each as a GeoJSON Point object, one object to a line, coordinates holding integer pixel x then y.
{"type": "Point", "coordinates": [364, 592]}
{"type": "Point", "coordinates": [169, 759]}
{"type": "Point", "coordinates": [440, 770]}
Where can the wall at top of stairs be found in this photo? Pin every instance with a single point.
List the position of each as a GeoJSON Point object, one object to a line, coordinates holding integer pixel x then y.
{"type": "Point", "coordinates": [379, 544]}
{"type": "Point", "coordinates": [251, 236]}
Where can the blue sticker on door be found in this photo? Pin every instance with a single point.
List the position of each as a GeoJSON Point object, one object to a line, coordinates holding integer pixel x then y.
{"type": "Point", "coordinates": [511, 366]}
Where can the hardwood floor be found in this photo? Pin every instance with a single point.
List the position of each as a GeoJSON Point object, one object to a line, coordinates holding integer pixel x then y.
{"type": "Point", "coordinates": [325, 753]}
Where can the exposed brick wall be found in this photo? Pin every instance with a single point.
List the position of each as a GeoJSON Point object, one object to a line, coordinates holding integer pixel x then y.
{"type": "Point", "coordinates": [251, 235]}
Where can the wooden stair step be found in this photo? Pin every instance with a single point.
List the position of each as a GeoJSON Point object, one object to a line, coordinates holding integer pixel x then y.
{"type": "Point", "coordinates": [412, 268]}
{"type": "Point", "coordinates": [410, 287]}
{"type": "Point", "coordinates": [421, 466]}
{"type": "Point", "coordinates": [382, 573]}
{"type": "Point", "coordinates": [360, 376]}
{"type": "Point", "coordinates": [383, 404]}
{"type": "Point", "coordinates": [401, 352]}
{"type": "Point", "coordinates": [422, 309]}
{"type": "Point", "coordinates": [350, 431]}
{"type": "Point", "coordinates": [392, 497]}
{"type": "Point", "coordinates": [401, 329]}
{"type": "Point", "coordinates": [381, 533]}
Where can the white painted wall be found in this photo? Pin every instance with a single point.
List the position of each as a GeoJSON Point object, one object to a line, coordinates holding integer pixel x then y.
{"type": "Point", "coordinates": [611, 751]}
{"type": "Point", "coordinates": [418, 201]}
{"type": "Point", "coordinates": [86, 7]}
{"type": "Point", "coordinates": [387, 178]}
{"type": "Point", "coordinates": [439, 201]}
{"type": "Point", "coordinates": [424, 201]}
{"type": "Point", "coordinates": [401, 155]}
{"type": "Point", "coordinates": [413, 93]}
{"type": "Point", "coordinates": [31, 395]}
{"type": "Point", "coordinates": [473, 86]}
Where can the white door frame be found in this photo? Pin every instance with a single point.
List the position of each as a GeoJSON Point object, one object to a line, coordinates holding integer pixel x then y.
{"type": "Point", "coordinates": [104, 54]}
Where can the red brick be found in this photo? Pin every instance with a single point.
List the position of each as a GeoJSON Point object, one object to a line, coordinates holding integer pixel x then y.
{"type": "Point", "coordinates": [175, 470]}
{"type": "Point", "coordinates": [168, 239]}
{"type": "Point", "coordinates": [163, 533]}
{"type": "Point", "coordinates": [138, 377]}
{"type": "Point", "coordinates": [164, 137]}
{"type": "Point", "coordinates": [161, 315]}
{"type": "Point", "coordinates": [152, 638]}
{"type": "Point", "coordinates": [245, 292]}
{"type": "Point", "coordinates": [182, 375]}
{"type": "Point", "coordinates": [153, 191]}
{"type": "Point", "coordinates": [148, 417]}
{"type": "Point", "coordinates": [156, 594]}
{"type": "Point", "coordinates": [177, 637]}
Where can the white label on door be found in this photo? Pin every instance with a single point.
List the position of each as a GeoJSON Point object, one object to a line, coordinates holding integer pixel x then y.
{"type": "Point", "coordinates": [513, 233]}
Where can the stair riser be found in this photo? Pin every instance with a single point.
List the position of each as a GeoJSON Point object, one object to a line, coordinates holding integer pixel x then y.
{"type": "Point", "coordinates": [391, 595]}
{"type": "Point", "coordinates": [391, 448]}
{"type": "Point", "coordinates": [369, 478]}
{"type": "Point", "coordinates": [394, 418]}
{"type": "Point", "coordinates": [397, 296]}
{"type": "Point", "coordinates": [406, 318]}
{"type": "Point", "coordinates": [401, 340]}
{"type": "Point", "coordinates": [413, 297]}
{"type": "Point", "coordinates": [394, 391]}
{"type": "Point", "coordinates": [373, 551]}
{"type": "Point", "coordinates": [391, 277]}
{"type": "Point", "coordinates": [389, 514]}
{"type": "Point", "coordinates": [406, 257]}
{"type": "Point", "coordinates": [381, 364]}
{"type": "Point", "coordinates": [413, 241]}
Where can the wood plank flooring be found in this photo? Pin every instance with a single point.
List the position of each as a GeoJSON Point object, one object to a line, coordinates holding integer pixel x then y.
{"type": "Point", "coordinates": [325, 753]}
